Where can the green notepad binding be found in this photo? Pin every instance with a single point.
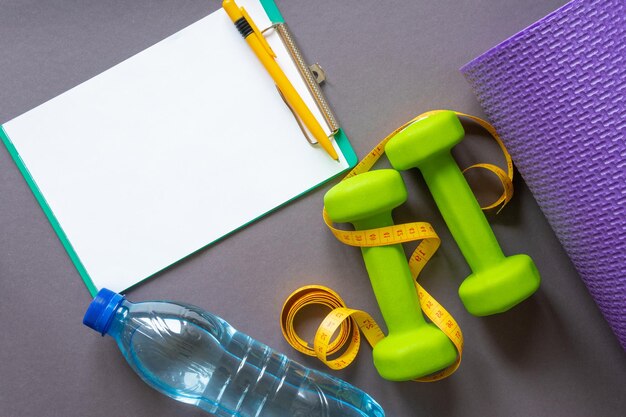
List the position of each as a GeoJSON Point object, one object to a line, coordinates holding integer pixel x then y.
{"type": "Point", "coordinates": [272, 11]}
{"type": "Point", "coordinates": [48, 211]}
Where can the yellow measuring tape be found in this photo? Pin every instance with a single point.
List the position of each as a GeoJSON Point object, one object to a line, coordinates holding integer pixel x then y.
{"type": "Point", "coordinates": [348, 320]}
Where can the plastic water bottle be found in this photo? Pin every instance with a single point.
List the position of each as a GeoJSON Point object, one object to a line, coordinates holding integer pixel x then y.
{"type": "Point", "coordinates": [198, 358]}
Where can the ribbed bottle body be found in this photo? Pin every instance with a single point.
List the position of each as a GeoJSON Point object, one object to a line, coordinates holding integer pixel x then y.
{"type": "Point", "coordinates": [198, 358]}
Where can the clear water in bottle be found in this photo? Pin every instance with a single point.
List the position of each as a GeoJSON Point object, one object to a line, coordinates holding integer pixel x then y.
{"type": "Point", "coordinates": [197, 358]}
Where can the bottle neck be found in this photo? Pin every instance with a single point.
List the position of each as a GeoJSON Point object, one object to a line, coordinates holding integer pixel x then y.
{"type": "Point", "coordinates": [119, 318]}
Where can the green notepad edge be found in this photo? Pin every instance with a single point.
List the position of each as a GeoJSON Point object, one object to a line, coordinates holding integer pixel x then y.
{"type": "Point", "coordinates": [272, 11]}
{"type": "Point", "coordinates": [47, 210]}
{"type": "Point", "coordinates": [340, 137]}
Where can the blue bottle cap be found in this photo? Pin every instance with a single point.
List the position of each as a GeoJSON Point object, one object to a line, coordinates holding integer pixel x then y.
{"type": "Point", "coordinates": [100, 312]}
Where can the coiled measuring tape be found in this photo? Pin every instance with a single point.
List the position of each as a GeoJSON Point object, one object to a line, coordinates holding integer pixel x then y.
{"type": "Point", "coordinates": [351, 322]}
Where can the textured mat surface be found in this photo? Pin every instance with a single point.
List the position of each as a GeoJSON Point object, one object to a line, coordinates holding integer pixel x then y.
{"type": "Point", "coordinates": [556, 94]}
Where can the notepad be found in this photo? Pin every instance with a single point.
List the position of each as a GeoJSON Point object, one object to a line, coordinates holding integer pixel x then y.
{"type": "Point", "coordinates": [169, 151]}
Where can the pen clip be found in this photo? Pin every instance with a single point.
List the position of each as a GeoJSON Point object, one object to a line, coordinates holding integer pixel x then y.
{"type": "Point", "coordinates": [257, 32]}
{"type": "Point", "coordinates": [309, 139]}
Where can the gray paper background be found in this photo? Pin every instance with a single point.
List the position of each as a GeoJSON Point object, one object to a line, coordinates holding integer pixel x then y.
{"type": "Point", "coordinates": [386, 62]}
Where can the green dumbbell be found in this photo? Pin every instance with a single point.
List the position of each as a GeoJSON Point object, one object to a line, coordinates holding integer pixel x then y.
{"type": "Point", "coordinates": [413, 347]}
{"type": "Point", "coordinates": [497, 283]}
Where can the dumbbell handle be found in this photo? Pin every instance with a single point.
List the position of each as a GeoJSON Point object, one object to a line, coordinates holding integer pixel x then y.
{"type": "Point", "coordinates": [391, 280]}
{"type": "Point", "coordinates": [461, 211]}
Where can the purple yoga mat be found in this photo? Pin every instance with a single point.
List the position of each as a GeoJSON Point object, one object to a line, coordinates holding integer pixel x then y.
{"type": "Point", "coordinates": [556, 94]}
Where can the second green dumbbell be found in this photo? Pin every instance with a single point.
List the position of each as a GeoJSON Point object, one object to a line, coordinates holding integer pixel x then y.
{"type": "Point", "coordinates": [498, 283]}
{"type": "Point", "coordinates": [413, 347]}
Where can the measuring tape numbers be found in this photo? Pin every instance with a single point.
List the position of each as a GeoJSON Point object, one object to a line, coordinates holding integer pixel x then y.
{"type": "Point", "coordinates": [350, 323]}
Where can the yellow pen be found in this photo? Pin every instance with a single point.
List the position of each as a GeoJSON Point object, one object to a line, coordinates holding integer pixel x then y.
{"type": "Point", "coordinates": [254, 38]}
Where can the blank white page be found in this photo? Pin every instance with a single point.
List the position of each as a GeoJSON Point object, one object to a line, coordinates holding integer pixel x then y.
{"type": "Point", "coordinates": [169, 150]}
